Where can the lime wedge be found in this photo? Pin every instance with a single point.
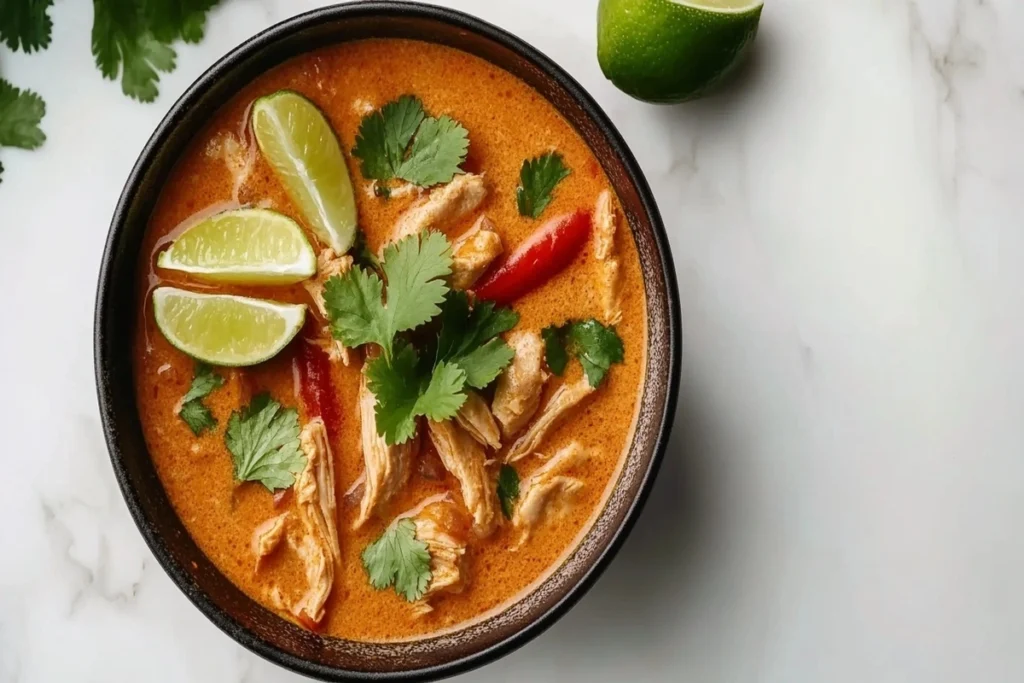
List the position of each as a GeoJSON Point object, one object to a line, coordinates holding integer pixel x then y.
{"type": "Point", "coordinates": [225, 330]}
{"type": "Point", "coordinates": [245, 246]}
{"type": "Point", "coordinates": [301, 147]}
{"type": "Point", "coordinates": [673, 50]}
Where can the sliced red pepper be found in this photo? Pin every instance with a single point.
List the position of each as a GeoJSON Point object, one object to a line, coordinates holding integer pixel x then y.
{"type": "Point", "coordinates": [543, 255]}
{"type": "Point", "coordinates": [316, 389]}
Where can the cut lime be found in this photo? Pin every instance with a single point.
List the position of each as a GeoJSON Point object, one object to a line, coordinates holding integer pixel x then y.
{"type": "Point", "coordinates": [225, 330]}
{"type": "Point", "coordinates": [673, 50]}
{"type": "Point", "coordinates": [245, 246]}
{"type": "Point", "coordinates": [301, 147]}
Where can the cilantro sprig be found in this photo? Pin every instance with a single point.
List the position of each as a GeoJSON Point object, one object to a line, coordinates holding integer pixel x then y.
{"type": "Point", "coordinates": [25, 24]}
{"type": "Point", "coordinates": [20, 114]}
{"type": "Point", "coordinates": [193, 411]}
{"type": "Point", "coordinates": [537, 181]}
{"type": "Point", "coordinates": [462, 351]}
{"type": "Point", "coordinates": [399, 559]}
{"type": "Point", "coordinates": [596, 346]}
{"type": "Point", "coordinates": [399, 141]}
{"type": "Point", "coordinates": [263, 439]}
{"type": "Point", "coordinates": [508, 489]}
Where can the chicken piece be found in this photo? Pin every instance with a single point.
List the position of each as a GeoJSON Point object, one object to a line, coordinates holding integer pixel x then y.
{"type": "Point", "coordinates": [239, 158]}
{"type": "Point", "coordinates": [445, 205]}
{"type": "Point", "coordinates": [517, 395]}
{"type": "Point", "coordinates": [318, 546]}
{"type": "Point", "coordinates": [475, 417]}
{"type": "Point", "coordinates": [610, 284]}
{"type": "Point", "coordinates": [473, 252]}
{"type": "Point", "coordinates": [267, 537]}
{"type": "Point", "coordinates": [565, 398]}
{"type": "Point", "coordinates": [386, 467]}
{"type": "Point", "coordinates": [444, 528]}
{"type": "Point", "coordinates": [464, 458]}
{"type": "Point", "coordinates": [547, 490]}
{"type": "Point", "coordinates": [328, 264]}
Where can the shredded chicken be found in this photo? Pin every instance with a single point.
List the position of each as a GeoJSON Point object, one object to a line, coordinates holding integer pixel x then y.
{"type": "Point", "coordinates": [445, 205]}
{"type": "Point", "coordinates": [565, 398]}
{"type": "Point", "coordinates": [238, 157]}
{"type": "Point", "coordinates": [443, 527]}
{"type": "Point", "coordinates": [464, 458]}
{"type": "Point", "coordinates": [387, 467]}
{"type": "Point", "coordinates": [517, 395]}
{"type": "Point", "coordinates": [473, 252]}
{"type": "Point", "coordinates": [605, 220]}
{"type": "Point", "coordinates": [267, 537]}
{"type": "Point", "coordinates": [328, 264]}
{"type": "Point", "coordinates": [475, 417]}
{"type": "Point", "coordinates": [548, 490]}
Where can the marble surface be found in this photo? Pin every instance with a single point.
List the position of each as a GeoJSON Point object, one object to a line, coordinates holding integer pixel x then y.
{"type": "Point", "coordinates": [840, 495]}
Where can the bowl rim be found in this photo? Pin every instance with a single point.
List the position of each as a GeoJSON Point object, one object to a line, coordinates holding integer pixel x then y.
{"type": "Point", "coordinates": [385, 9]}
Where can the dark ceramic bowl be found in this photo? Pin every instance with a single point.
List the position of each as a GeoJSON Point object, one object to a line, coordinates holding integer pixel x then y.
{"type": "Point", "coordinates": [253, 626]}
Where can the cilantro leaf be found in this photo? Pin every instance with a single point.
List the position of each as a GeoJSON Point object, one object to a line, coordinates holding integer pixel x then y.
{"type": "Point", "coordinates": [554, 349]}
{"type": "Point", "coordinates": [537, 180]}
{"type": "Point", "coordinates": [204, 381]}
{"type": "Point", "coordinates": [132, 39]}
{"type": "Point", "coordinates": [508, 489]}
{"type": "Point", "coordinates": [469, 338]}
{"type": "Point", "coordinates": [438, 150]}
{"type": "Point", "coordinates": [596, 346]}
{"type": "Point", "coordinates": [20, 114]}
{"type": "Point", "coordinates": [264, 443]}
{"type": "Point", "coordinates": [406, 391]}
{"type": "Point", "coordinates": [398, 558]}
{"type": "Point", "coordinates": [25, 24]}
{"type": "Point", "coordinates": [438, 146]}
{"type": "Point", "coordinates": [197, 416]}
{"type": "Point", "coordinates": [414, 268]}
{"type": "Point", "coordinates": [483, 364]}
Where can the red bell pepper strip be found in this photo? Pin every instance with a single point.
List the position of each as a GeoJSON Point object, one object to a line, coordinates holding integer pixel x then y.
{"type": "Point", "coordinates": [316, 389]}
{"type": "Point", "coordinates": [543, 255]}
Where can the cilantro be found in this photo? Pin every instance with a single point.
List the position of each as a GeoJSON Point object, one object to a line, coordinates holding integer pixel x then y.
{"type": "Point", "coordinates": [264, 443]}
{"type": "Point", "coordinates": [195, 414]}
{"type": "Point", "coordinates": [398, 558]}
{"type": "Point", "coordinates": [363, 255]}
{"type": "Point", "coordinates": [414, 269]}
{"type": "Point", "coordinates": [132, 38]}
{"type": "Point", "coordinates": [508, 489]}
{"type": "Point", "coordinates": [404, 391]}
{"type": "Point", "coordinates": [25, 24]}
{"type": "Point", "coordinates": [20, 114]}
{"type": "Point", "coordinates": [438, 146]}
{"type": "Point", "coordinates": [595, 345]}
{"type": "Point", "coordinates": [469, 338]}
{"type": "Point", "coordinates": [537, 180]}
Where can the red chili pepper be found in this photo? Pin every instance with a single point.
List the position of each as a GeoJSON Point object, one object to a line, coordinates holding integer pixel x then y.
{"type": "Point", "coordinates": [542, 256]}
{"type": "Point", "coordinates": [316, 389]}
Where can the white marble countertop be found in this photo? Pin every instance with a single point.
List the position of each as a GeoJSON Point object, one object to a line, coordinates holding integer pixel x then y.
{"type": "Point", "coordinates": [840, 495]}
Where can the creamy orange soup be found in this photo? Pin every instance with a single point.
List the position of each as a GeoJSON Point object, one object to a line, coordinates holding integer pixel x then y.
{"type": "Point", "coordinates": [507, 123]}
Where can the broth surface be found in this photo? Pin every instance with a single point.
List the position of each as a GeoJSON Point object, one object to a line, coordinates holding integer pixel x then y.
{"type": "Point", "coordinates": [507, 123]}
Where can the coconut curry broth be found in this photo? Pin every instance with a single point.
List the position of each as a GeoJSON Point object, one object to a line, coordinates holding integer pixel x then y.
{"type": "Point", "coordinates": [507, 123]}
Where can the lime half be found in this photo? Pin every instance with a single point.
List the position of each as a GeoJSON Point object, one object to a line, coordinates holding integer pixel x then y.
{"type": "Point", "coordinates": [246, 246]}
{"type": "Point", "coordinates": [673, 50]}
{"type": "Point", "coordinates": [301, 147]}
{"type": "Point", "coordinates": [225, 330]}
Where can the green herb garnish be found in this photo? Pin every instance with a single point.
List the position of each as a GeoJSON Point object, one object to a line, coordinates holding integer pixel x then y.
{"type": "Point", "coordinates": [508, 489]}
{"type": "Point", "coordinates": [595, 345]}
{"type": "Point", "coordinates": [263, 440]}
{"type": "Point", "coordinates": [193, 411]}
{"type": "Point", "coordinates": [398, 558]}
{"type": "Point", "coordinates": [400, 141]}
{"type": "Point", "coordinates": [537, 181]}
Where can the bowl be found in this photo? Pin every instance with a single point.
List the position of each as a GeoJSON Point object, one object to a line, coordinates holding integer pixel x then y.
{"type": "Point", "coordinates": [252, 625]}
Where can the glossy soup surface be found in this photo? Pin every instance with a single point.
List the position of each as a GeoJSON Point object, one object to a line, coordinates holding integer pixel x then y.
{"type": "Point", "coordinates": [507, 123]}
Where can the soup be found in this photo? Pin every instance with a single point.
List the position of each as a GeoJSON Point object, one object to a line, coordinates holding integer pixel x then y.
{"type": "Point", "coordinates": [422, 453]}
